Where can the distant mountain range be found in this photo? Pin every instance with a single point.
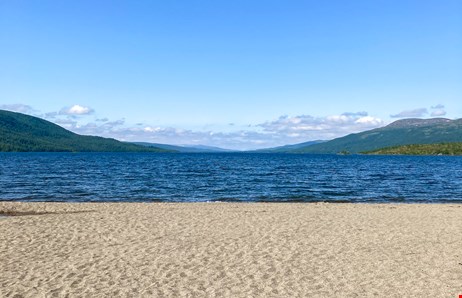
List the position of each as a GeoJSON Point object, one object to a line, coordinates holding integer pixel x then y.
{"type": "Point", "coordinates": [185, 148]}
{"type": "Point", "coordinates": [401, 132]}
{"type": "Point", "coordinates": [19, 132]}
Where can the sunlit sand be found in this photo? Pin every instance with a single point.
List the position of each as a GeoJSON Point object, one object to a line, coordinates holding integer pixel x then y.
{"type": "Point", "coordinates": [230, 250]}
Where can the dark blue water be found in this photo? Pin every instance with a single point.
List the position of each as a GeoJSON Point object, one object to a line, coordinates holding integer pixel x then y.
{"type": "Point", "coordinates": [147, 177]}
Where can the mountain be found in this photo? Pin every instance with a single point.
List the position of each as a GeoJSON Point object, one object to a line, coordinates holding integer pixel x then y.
{"type": "Point", "coordinates": [416, 122]}
{"type": "Point", "coordinates": [185, 149]}
{"type": "Point", "coordinates": [19, 132]}
{"type": "Point", "coordinates": [210, 148]}
{"type": "Point", "coordinates": [283, 149]}
{"type": "Point", "coordinates": [424, 149]}
{"type": "Point", "coordinates": [401, 132]}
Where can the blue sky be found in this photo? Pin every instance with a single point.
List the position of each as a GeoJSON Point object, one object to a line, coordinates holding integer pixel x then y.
{"type": "Point", "coordinates": [237, 74]}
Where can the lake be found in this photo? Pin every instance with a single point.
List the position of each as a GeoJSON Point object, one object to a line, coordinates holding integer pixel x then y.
{"type": "Point", "coordinates": [228, 177]}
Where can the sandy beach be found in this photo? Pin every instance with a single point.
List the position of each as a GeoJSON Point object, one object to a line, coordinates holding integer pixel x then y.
{"type": "Point", "coordinates": [230, 250]}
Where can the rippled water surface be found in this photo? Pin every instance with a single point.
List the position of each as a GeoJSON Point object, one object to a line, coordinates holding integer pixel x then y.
{"type": "Point", "coordinates": [228, 177]}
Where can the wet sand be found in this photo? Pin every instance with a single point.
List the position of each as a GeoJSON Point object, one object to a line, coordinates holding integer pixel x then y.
{"type": "Point", "coordinates": [230, 250]}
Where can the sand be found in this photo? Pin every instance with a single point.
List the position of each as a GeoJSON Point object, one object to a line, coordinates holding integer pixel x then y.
{"type": "Point", "coordinates": [230, 250]}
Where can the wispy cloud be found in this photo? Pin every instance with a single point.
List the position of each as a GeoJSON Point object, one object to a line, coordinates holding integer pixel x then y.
{"type": "Point", "coordinates": [281, 131]}
{"type": "Point", "coordinates": [438, 110]}
{"type": "Point", "coordinates": [411, 113]}
{"type": "Point", "coordinates": [20, 108]}
{"type": "Point", "coordinates": [66, 123]}
{"type": "Point", "coordinates": [284, 130]}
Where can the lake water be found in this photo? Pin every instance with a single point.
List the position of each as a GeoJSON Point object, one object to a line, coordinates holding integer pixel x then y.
{"type": "Point", "coordinates": [147, 177]}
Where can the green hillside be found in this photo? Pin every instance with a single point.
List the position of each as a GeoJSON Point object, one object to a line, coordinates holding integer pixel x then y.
{"type": "Point", "coordinates": [424, 149]}
{"type": "Point", "coordinates": [401, 132]}
{"type": "Point", "coordinates": [22, 133]}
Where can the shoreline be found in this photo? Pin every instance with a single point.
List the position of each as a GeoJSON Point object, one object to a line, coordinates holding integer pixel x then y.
{"type": "Point", "coordinates": [397, 202]}
{"type": "Point", "coordinates": [231, 250]}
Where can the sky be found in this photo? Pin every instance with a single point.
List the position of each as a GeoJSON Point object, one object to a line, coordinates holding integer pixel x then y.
{"type": "Point", "coordinates": [241, 74]}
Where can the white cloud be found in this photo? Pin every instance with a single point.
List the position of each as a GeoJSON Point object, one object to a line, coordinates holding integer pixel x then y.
{"type": "Point", "coordinates": [368, 120]}
{"type": "Point", "coordinates": [309, 127]}
{"type": "Point", "coordinates": [76, 110]}
{"type": "Point", "coordinates": [149, 129]}
{"type": "Point", "coordinates": [438, 113]}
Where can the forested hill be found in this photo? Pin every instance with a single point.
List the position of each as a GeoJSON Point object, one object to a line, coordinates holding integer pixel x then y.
{"type": "Point", "coordinates": [23, 133]}
{"type": "Point", "coordinates": [398, 133]}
